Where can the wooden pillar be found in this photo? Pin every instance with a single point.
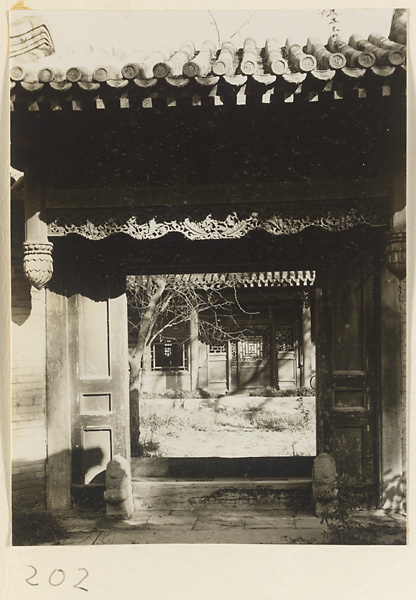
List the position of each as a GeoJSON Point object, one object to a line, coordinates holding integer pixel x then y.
{"type": "Point", "coordinates": [58, 402]}
{"type": "Point", "coordinates": [37, 260]}
{"type": "Point", "coordinates": [308, 350]}
{"type": "Point", "coordinates": [194, 349]}
{"type": "Point", "coordinates": [393, 353]}
{"type": "Point", "coordinates": [273, 352]}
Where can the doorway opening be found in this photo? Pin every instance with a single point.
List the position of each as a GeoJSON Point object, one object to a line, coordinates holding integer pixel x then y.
{"type": "Point", "coordinates": [227, 364]}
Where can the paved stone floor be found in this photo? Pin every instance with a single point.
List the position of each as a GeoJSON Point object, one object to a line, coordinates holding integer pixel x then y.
{"type": "Point", "coordinates": [253, 526]}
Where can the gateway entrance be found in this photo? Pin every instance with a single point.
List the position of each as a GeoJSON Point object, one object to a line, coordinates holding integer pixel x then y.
{"type": "Point", "coordinates": [232, 379]}
{"type": "Point", "coordinates": [343, 316]}
{"type": "Point", "coordinates": [213, 173]}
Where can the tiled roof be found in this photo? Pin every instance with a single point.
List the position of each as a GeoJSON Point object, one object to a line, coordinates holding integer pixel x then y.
{"type": "Point", "coordinates": [207, 74]}
{"type": "Point", "coordinates": [258, 279]}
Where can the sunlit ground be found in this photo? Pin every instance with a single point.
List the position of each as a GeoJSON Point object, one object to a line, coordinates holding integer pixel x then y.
{"type": "Point", "coordinates": [238, 426]}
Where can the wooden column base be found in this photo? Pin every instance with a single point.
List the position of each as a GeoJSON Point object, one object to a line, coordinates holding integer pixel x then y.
{"type": "Point", "coordinates": [38, 263]}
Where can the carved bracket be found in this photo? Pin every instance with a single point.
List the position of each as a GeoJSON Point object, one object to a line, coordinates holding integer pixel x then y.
{"type": "Point", "coordinates": [38, 263]}
{"type": "Point", "coordinates": [396, 253]}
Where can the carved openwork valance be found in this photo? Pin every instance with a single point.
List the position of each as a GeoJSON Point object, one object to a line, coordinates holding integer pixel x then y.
{"type": "Point", "coordinates": [199, 224]}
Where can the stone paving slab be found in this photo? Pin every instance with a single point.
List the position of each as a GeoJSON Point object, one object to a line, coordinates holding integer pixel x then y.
{"type": "Point", "coordinates": [78, 539]}
{"type": "Point", "coordinates": [182, 522]}
{"type": "Point", "coordinates": [308, 522]}
{"type": "Point", "coordinates": [135, 523]}
{"type": "Point", "coordinates": [210, 521]}
{"type": "Point", "coordinates": [224, 526]}
{"type": "Point", "coordinates": [262, 522]}
{"type": "Point", "coordinates": [79, 525]}
{"type": "Point", "coordinates": [213, 536]}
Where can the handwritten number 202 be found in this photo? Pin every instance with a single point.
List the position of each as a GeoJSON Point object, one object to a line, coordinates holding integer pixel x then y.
{"type": "Point", "coordinates": [57, 578]}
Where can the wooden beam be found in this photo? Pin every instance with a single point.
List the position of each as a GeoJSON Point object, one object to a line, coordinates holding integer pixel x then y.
{"type": "Point", "coordinates": [203, 195]}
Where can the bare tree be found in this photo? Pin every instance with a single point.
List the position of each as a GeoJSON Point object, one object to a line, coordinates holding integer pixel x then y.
{"type": "Point", "coordinates": [159, 302]}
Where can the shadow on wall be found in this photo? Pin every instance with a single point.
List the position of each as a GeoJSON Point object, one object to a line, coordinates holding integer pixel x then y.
{"type": "Point", "coordinates": [21, 299]}
{"type": "Point", "coordinates": [29, 477]}
{"type": "Point", "coordinates": [393, 492]}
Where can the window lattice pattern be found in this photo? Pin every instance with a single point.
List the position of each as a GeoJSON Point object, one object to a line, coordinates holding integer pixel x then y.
{"type": "Point", "coordinates": [169, 356]}
{"type": "Point", "coordinates": [217, 348]}
{"type": "Point", "coordinates": [285, 339]}
{"type": "Point", "coordinates": [251, 349]}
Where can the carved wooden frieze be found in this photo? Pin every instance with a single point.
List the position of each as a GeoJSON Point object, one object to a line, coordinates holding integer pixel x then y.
{"type": "Point", "coordinates": [38, 263]}
{"type": "Point", "coordinates": [196, 224]}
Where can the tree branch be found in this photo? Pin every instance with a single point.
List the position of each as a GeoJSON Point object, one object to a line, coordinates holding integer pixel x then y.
{"type": "Point", "coordinates": [216, 27]}
{"type": "Point", "coordinates": [244, 24]}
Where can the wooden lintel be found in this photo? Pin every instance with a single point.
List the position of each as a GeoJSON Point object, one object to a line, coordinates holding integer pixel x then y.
{"type": "Point", "coordinates": [217, 194]}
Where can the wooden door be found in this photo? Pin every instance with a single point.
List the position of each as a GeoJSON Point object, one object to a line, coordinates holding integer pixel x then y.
{"type": "Point", "coordinates": [347, 356]}
{"type": "Point", "coordinates": [217, 367]}
{"type": "Point", "coordinates": [99, 381]}
{"type": "Point", "coordinates": [286, 350]}
{"type": "Point", "coordinates": [253, 362]}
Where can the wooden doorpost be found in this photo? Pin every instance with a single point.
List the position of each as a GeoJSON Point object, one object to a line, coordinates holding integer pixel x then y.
{"type": "Point", "coordinates": [58, 468]}
{"type": "Point", "coordinates": [307, 341]}
{"type": "Point", "coordinates": [273, 352]}
{"type": "Point", "coordinates": [393, 353]}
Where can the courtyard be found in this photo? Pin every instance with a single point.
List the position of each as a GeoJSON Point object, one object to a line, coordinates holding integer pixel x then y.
{"type": "Point", "coordinates": [228, 426]}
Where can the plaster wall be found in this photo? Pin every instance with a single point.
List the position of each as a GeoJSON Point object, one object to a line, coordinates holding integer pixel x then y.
{"type": "Point", "coordinates": [28, 388]}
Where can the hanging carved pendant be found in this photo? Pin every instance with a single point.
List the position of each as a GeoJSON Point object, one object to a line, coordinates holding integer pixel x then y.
{"type": "Point", "coordinates": [38, 263]}
{"type": "Point", "coordinates": [396, 253]}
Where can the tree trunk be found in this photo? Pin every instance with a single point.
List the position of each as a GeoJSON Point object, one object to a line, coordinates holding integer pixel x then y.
{"type": "Point", "coordinates": [137, 359]}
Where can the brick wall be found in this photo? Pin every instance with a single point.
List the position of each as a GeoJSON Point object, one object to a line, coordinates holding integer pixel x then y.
{"type": "Point", "coordinates": [28, 380]}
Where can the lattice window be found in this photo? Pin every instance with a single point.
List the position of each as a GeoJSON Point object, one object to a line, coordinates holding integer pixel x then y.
{"type": "Point", "coordinates": [217, 348]}
{"type": "Point", "coordinates": [251, 349]}
{"type": "Point", "coordinates": [169, 356]}
{"type": "Point", "coordinates": [285, 339]}
{"type": "Point", "coordinates": [234, 351]}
